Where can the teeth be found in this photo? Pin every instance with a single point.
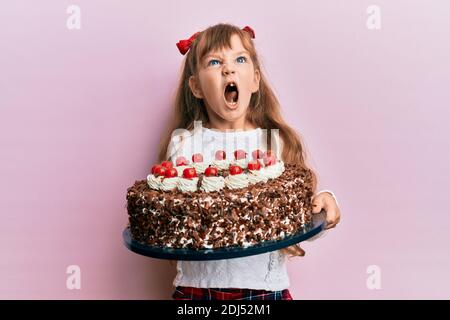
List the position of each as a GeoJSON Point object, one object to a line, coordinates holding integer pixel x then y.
{"type": "Point", "coordinates": [232, 102]}
{"type": "Point", "coordinates": [231, 95]}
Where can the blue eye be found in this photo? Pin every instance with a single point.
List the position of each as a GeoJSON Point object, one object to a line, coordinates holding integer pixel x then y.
{"type": "Point", "coordinates": [241, 59]}
{"type": "Point", "coordinates": [213, 62]}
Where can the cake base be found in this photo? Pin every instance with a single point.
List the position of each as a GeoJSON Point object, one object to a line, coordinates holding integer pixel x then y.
{"type": "Point", "coordinates": [261, 212]}
{"type": "Point", "coordinates": [317, 225]}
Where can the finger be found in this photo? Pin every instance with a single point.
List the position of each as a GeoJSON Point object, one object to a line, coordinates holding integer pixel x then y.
{"type": "Point", "coordinates": [316, 208]}
{"type": "Point", "coordinates": [330, 226]}
{"type": "Point", "coordinates": [317, 205]}
{"type": "Point", "coordinates": [338, 214]}
{"type": "Point", "coordinates": [332, 223]}
{"type": "Point", "coordinates": [337, 217]}
{"type": "Point", "coordinates": [301, 252]}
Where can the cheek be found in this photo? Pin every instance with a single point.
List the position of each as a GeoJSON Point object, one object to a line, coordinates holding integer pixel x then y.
{"type": "Point", "coordinates": [209, 85]}
{"type": "Point", "coordinates": [211, 92]}
{"type": "Point", "coordinates": [250, 83]}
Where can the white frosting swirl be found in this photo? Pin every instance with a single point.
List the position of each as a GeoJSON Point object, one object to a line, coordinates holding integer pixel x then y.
{"type": "Point", "coordinates": [236, 181]}
{"type": "Point", "coordinates": [221, 164]}
{"type": "Point", "coordinates": [256, 176]}
{"type": "Point", "coordinates": [185, 185]}
{"type": "Point", "coordinates": [210, 184]}
{"type": "Point", "coordinates": [180, 170]}
{"type": "Point", "coordinates": [169, 183]}
{"type": "Point", "coordinates": [154, 182]}
{"type": "Point", "coordinates": [274, 171]}
{"type": "Point", "coordinates": [241, 163]}
{"type": "Point", "coordinates": [200, 167]}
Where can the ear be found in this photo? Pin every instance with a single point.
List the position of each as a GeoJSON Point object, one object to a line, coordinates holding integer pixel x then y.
{"type": "Point", "coordinates": [195, 87]}
{"type": "Point", "coordinates": [256, 79]}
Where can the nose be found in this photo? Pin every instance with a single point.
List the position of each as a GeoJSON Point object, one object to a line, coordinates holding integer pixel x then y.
{"type": "Point", "coordinates": [228, 69]}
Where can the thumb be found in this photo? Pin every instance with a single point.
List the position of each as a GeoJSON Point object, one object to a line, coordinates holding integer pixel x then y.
{"type": "Point", "coordinates": [317, 206]}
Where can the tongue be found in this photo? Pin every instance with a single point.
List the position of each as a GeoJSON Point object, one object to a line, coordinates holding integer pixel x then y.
{"type": "Point", "coordinates": [231, 96]}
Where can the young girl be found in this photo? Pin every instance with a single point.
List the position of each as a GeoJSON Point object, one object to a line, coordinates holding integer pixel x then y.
{"type": "Point", "coordinates": [218, 58]}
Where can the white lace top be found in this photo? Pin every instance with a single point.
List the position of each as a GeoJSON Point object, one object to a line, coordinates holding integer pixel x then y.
{"type": "Point", "coordinates": [260, 272]}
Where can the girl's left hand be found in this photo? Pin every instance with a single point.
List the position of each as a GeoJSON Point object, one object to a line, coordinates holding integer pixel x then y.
{"type": "Point", "coordinates": [327, 202]}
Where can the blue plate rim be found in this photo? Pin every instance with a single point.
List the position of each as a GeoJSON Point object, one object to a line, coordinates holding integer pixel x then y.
{"type": "Point", "coordinates": [318, 225]}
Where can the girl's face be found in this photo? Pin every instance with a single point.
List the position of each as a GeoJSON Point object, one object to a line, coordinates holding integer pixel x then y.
{"type": "Point", "coordinates": [225, 81]}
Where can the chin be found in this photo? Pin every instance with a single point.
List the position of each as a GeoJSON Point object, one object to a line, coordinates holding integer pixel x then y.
{"type": "Point", "coordinates": [233, 115]}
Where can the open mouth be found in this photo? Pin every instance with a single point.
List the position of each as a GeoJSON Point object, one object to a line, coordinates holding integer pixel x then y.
{"type": "Point", "coordinates": [231, 93]}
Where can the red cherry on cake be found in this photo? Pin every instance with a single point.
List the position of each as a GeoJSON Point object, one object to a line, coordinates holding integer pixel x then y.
{"type": "Point", "coordinates": [197, 157]}
{"type": "Point", "coordinates": [240, 154]}
{"type": "Point", "coordinates": [181, 161]}
{"type": "Point", "coordinates": [160, 171]}
{"type": "Point", "coordinates": [171, 173]}
{"type": "Point", "coordinates": [268, 161]}
{"type": "Point", "coordinates": [220, 155]}
{"type": "Point", "coordinates": [257, 154]}
{"type": "Point", "coordinates": [154, 168]}
{"type": "Point", "coordinates": [211, 171]}
{"type": "Point", "coordinates": [189, 173]}
{"type": "Point", "coordinates": [235, 170]}
{"type": "Point", "coordinates": [167, 164]}
{"type": "Point", "coordinates": [254, 165]}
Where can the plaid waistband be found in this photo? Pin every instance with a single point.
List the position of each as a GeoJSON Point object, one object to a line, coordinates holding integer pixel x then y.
{"type": "Point", "coordinates": [190, 293]}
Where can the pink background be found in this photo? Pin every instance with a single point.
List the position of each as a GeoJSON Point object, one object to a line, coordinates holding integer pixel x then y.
{"type": "Point", "coordinates": [82, 111]}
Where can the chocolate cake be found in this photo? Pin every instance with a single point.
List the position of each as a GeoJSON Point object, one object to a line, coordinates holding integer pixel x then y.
{"type": "Point", "coordinates": [241, 205]}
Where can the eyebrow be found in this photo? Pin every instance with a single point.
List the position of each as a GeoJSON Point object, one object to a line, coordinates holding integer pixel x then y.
{"type": "Point", "coordinates": [217, 55]}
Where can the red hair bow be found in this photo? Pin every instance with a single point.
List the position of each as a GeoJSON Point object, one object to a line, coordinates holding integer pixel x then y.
{"type": "Point", "coordinates": [185, 45]}
{"type": "Point", "coordinates": [249, 30]}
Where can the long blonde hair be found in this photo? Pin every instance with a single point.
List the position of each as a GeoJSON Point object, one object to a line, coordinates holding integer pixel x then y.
{"type": "Point", "coordinates": [263, 111]}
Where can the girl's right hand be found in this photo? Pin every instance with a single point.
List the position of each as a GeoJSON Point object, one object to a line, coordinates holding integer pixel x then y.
{"type": "Point", "coordinates": [326, 201]}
